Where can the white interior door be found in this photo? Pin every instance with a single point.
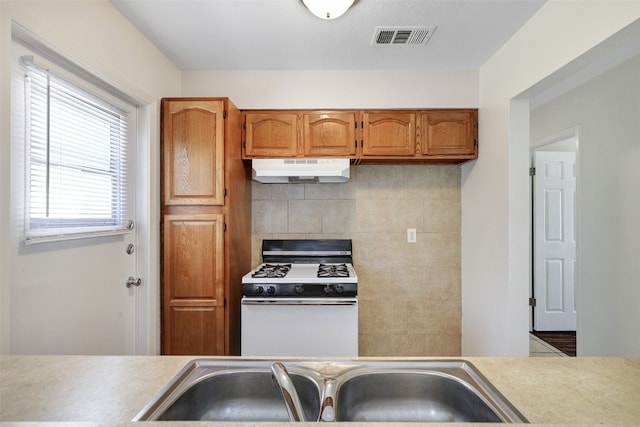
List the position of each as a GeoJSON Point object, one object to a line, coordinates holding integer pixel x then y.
{"type": "Point", "coordinates": [554, 241]}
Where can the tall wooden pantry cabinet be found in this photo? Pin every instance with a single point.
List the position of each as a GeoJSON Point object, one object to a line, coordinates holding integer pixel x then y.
{"type": "Point", "coordinates": [205, 226]}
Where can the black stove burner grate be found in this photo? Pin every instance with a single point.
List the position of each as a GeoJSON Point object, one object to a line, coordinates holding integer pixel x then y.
{"type": "Point", "coordinates": [333, 270]}
{"type": "Point", "coordinates": [272, 271]}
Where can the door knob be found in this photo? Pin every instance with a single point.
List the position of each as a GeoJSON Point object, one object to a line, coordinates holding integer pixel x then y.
{"type": "Point", "coordinates": [132, 281]}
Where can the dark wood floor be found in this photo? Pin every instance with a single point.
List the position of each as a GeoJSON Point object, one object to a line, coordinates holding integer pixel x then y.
{"type": "Point", "coordinates": [565, 341]}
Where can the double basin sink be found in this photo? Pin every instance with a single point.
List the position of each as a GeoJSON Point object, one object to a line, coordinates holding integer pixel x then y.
{"type": "Point", "coordinates": [251, 390]}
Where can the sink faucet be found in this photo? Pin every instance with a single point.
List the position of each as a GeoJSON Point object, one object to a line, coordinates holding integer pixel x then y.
{"type": "Point", "coordinates": [289, 393]}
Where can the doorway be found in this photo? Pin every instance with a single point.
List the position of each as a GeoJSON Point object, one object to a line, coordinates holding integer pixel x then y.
{"type": "Point", "coordinates": [78, 294]}
{"type": "Point", "coordinates": [553, 230]}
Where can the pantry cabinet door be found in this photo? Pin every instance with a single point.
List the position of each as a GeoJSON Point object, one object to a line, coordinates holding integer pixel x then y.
{"type": "Point", "coordinates": [329, 134]}
{"type": "Point", "coordinates": [193, 284]}
{"type": "Point", "coordinates": [193, 152]}
{"type": "Point", "coordinates": [389, 134]}
{"type": "Point", "coordinates": [194, 329]}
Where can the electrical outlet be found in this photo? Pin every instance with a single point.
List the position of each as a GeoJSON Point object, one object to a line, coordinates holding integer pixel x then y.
{"type": "Point", "coordinates": [411, 235]}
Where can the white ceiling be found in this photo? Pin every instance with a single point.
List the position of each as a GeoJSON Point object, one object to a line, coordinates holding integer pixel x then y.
{"type": "Point", "coordinates": [283, 34]}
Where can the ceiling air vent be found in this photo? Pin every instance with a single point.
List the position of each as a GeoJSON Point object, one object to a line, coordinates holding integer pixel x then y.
{"type": "Point", "coordinates": [402, 36]}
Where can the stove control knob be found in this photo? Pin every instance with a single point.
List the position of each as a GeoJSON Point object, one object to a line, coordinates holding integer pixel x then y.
{"type": "Point", "coordinates": [271, 290]}
{"type": "Point", "coordinates": [259, 290]}
{"type": "Point", "coordinates": [328, 289]}
{"type": "Point", "coordinates": [339, 289]}
{"type": "Point", "coordinates": [299, 289]}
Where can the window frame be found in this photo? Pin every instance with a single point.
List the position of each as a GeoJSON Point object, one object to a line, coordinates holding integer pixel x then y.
{"type": "Point", "coordinates": [94, 91]}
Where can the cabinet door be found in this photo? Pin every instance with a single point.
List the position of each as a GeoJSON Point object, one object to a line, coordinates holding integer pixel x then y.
{"type": "Point", "coordinates": [194, 329]}
{"type": "Point", "coordinates": [193, 151]}
{"type": "Point", "coordinates": [329, 134]}
{"type": "Point", "coordinates": [389, 134]}
{"type": "Point", "coordinates": [193, 285]}
{"type": "Point", "coordinates": [449, 133]}
{"type": "Point", "coordinates": [270, 134]}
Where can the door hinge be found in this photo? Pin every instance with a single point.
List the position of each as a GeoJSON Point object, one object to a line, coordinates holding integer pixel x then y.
{"type": "Point", "coordinates": [224, 302]}
{"type": "Point", "coordinates": [532, 302]}
{"type": "Point", "coordinates": [244, 144]}
{"type": "Point", "coordinates": [224, 114]}
{"type": "Point", "coordinates": [244, 125]}
{"type": "Point", "coordinates": [532, 171]}
{"type": "Point", "coordinates": [224, 227]}
{"type": "Point", "coordinates": [225, 192]}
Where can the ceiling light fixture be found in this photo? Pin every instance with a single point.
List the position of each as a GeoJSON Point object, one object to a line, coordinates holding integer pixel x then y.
{"type": "Point", "coordinates": [328, 9]}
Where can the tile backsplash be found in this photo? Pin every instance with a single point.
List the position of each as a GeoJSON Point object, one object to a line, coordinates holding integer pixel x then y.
{"type": "Point", "coordinates": [409, 293]}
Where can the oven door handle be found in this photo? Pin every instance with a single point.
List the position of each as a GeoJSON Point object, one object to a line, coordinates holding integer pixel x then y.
{"type": "Point", "coordinates": [298, 301]}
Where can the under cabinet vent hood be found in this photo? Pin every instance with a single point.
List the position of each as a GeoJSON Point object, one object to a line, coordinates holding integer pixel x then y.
{"type": "Point", "coordinates": [301, 171]}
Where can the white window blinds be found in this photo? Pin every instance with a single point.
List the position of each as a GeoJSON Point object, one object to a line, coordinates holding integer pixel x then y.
{"type": "Point", "coordinates": [76, 160]}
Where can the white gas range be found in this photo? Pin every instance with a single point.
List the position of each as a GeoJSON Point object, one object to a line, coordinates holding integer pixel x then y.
{"type": "Point", "coordinates": [302, 301]}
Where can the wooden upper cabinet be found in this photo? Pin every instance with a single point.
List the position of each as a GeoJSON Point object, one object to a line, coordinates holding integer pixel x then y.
{"type": "Point", "coordinates": [450, 133]}
{"type": "Point", "coordinates": [329, 134]}
{"type": "Point", "coordinates": [270, 134]}
{"type": "Point", "coordinates": [393, 136]}
{"type": "Point", "coordinates": [193, 151]}
{"type": "Point", "coordinates": [278, 134]}
{"type": "Point", "coordinates": [387, 134]}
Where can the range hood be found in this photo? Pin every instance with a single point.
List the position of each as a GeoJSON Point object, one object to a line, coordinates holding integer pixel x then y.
{"type": "Point", "coordinates": [301, 171]}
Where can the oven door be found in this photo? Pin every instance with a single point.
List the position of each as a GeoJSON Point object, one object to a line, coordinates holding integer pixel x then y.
{"type": "Point", "coordinates": [299, 327]}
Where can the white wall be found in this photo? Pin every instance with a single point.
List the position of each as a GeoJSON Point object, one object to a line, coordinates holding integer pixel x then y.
{"type": "Point", "coordinates": [495, 188]}
{"type": "Point", "coordinates": [608, 111]}
{"type": "Point", "coordinates": [337, 89]}
{"type": "Point", "coordinates": [97, 36]}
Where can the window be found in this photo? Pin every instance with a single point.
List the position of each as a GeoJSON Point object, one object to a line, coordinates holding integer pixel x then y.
{"type": "Point", "coordinates": [76, 159]}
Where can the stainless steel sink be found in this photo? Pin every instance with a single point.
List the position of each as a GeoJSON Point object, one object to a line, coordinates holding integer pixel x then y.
{"type": "Point", "coordinates": [413, 391]}
{"type": "Point", "coordinates": [214, 391]}
{"type": "Point", "coordinates": [411, 396]}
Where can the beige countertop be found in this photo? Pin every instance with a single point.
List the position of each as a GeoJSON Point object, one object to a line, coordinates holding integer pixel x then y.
{"type": "Point", "coordinates": [111, 390]}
